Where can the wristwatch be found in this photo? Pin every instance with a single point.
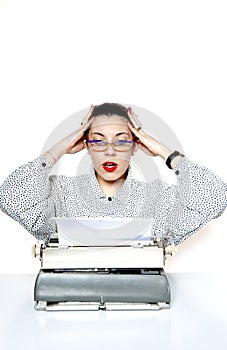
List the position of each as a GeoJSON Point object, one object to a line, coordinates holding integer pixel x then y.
{"type": "Point", "coordinates": [171, 157]}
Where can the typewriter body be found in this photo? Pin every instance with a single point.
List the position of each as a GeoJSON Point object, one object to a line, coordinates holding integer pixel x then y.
{"type": "Point", "coordinates": [127, 276]}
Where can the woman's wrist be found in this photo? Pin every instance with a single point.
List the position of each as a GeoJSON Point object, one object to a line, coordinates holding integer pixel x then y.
{"type": "Point", "coordinates": [165, 152]}
{"type": "Point", "coordinates": [50, 156]}
{"type": "Point", "coordinates": [56, 152]}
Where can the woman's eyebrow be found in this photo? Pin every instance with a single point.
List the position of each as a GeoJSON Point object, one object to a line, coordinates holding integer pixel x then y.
{"type": "Point", "coordinates": [118, 134]}
{"type": "Point", "coordinates": [97, 133]}
{"type": "Point", "coordinates": [122, 133]}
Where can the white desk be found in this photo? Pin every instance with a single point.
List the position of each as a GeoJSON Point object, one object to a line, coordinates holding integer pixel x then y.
{"type": "Point", "coordinates": [196, 320]}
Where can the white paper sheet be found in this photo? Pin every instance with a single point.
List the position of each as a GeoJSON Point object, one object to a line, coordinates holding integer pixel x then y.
{"type": "Point", "coordinates": [103, 231]}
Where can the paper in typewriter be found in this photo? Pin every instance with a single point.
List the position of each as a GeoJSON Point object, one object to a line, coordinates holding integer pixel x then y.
{"type": "Point", "coordinates": [103, 231]}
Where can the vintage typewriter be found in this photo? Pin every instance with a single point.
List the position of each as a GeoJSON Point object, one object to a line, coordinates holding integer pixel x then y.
{"type": "Point", "coordinates": [96, 269]}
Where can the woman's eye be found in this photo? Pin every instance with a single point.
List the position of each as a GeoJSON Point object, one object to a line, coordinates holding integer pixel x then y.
{"type": "Point", "coordinates": [121, 141]}
{"type": "Point", "coordinates": [100, 142]}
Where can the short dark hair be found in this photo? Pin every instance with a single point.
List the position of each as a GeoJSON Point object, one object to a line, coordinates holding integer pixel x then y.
{"type": "Point", "coordinates": [110, 109]}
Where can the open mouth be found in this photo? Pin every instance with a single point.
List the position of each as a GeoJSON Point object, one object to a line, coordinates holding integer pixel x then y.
{"type": "Point", "coordinates": [109, 166]}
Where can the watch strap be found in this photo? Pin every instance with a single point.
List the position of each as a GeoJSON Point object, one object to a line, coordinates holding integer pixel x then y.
{"type": "Point", "coordinates": [171, 157]}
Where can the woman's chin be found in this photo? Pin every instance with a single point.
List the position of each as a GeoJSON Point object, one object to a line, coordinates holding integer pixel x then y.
{"type": "Point", "coordinates": [111, 175]}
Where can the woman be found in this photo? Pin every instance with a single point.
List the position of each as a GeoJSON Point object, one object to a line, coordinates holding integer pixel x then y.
{"type": "Point", "coordinates": [112, 134]}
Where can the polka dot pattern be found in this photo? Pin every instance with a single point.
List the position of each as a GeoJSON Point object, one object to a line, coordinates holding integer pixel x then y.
{"type": "Point", "coordinates": [32, 197]}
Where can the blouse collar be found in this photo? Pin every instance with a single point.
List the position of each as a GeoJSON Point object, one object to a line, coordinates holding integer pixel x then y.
{"type": "Point", "coordinates": [120, 196]}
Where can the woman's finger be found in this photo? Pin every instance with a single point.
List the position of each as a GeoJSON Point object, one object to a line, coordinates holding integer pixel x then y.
{"type": "Point", "coordinates": [138, 132]}
{"type": "Point", "coordinates": [86, 125]}
{"type": "Point", "coordinates": [88, 115]}
{"type": "Point", "coordinates": [146, 150]}
{"type": "Point", "coordinates": [146, 142]}
{"type": "Point", "coordinates": [134, 118]}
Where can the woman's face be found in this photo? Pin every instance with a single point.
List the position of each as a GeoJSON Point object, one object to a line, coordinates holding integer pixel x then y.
{"type": "Point", "coordinates": [110, 164]}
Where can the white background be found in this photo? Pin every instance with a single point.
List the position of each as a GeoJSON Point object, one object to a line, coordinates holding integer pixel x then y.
{"type": "Point", "coordinates": [169, 57]}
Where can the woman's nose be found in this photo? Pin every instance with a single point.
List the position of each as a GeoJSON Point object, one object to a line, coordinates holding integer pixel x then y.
{"type": "Point", "coordinates": [110, 151]}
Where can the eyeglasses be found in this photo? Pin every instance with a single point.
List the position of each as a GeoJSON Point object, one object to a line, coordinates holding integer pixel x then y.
{"type": "Point", "coordinates": [120, 145]}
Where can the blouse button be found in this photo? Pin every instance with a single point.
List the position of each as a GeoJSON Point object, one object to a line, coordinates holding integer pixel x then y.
{"type": "Point", "coordinates": [177, 172]}
{"type": "Point", "coordinates": [43, 164]}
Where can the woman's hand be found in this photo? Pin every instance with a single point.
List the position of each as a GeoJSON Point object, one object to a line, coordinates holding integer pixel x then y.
{"type": "Point", "coordinates": [146, 142]}
{"type": "Point", "coordinates": [75, 142]}
{"type": "Point", "coordinates": [72, 143]}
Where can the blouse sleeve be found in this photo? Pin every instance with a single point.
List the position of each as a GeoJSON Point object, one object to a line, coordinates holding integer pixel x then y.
{"type": "Point", "coordinates": [30, 197]}
{"type": "Point", "coordinates": [198, 197]}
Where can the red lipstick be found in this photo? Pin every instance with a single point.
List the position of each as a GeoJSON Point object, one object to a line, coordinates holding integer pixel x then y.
{"type": "Point", "coordinates": [109, 166]}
